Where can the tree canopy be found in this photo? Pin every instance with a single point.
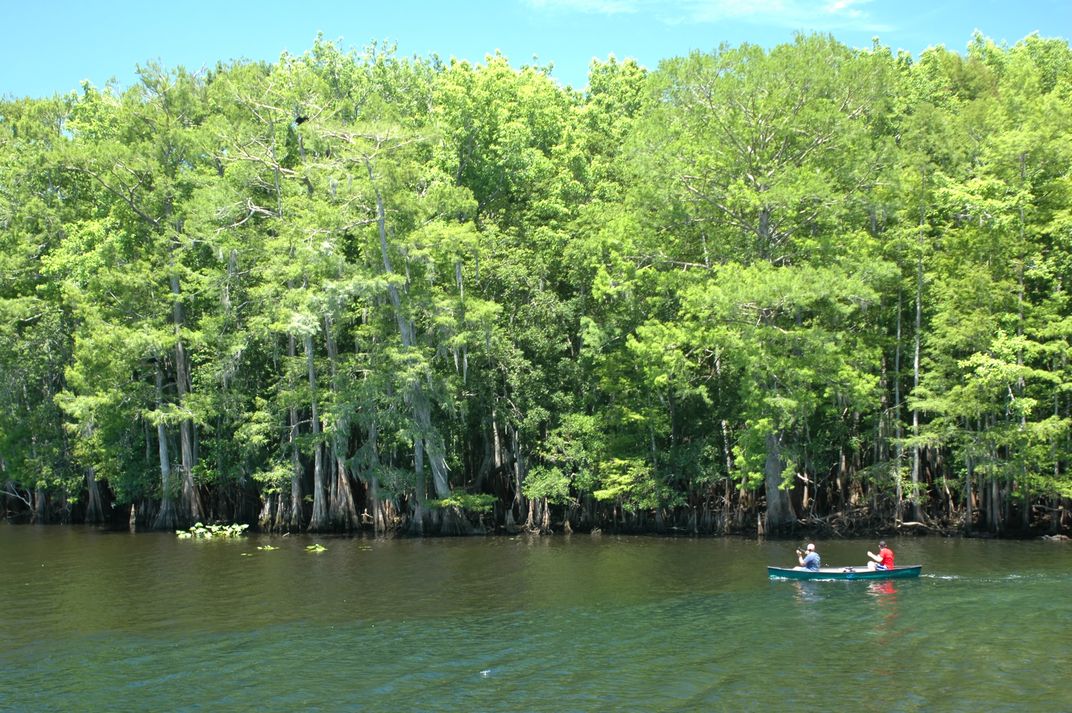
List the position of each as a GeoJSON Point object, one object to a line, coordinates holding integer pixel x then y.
{"type": "Point", "coordinates": [752, 288]}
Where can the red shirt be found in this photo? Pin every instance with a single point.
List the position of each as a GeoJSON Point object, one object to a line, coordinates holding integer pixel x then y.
{"type": "Point", "coordinates": [887, 557]}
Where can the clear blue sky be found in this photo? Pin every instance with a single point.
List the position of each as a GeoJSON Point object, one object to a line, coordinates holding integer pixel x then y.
{"type": "Point", "coordinates": [48, 47]}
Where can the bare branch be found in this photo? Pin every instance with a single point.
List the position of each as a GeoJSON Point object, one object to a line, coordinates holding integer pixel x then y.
{"type": "Point", "coordinates": [12, 491]}
{"type": "Point", "coordinates": [128, 199]}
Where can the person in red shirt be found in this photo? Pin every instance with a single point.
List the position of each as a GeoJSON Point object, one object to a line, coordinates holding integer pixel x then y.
{"type": "Point", "coordinates": [884, 558]}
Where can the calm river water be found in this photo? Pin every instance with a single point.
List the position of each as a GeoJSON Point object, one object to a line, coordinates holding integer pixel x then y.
{"type": "Point", "coordinates": [98, 621]}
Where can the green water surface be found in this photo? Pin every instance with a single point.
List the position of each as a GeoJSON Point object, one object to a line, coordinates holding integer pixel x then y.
{"type": "Point", "coordinates": [98, 621]}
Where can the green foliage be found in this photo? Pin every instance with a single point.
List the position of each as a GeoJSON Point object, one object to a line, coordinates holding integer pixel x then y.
{"type": "Point", "coordinates": [468, 502]}
{"type": "Point", "coordinates": [634, 484]}
{"type": "Point", "coordinates": [200, 531]}
{"type": "Point", "coordinates": [681, 289]}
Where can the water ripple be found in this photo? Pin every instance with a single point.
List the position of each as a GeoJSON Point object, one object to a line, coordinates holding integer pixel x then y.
{"type": "Point", "coordinates": [112, 622]}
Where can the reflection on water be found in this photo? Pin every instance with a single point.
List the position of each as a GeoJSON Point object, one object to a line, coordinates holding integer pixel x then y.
{"type": "Point", "coordinates": [808, 591]}
{"type": "Point", "coordinates": [885, 596]}
{"type": "Point", "coordinates": [882, 588]}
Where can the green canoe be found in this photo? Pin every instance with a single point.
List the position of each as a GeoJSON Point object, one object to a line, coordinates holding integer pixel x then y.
{"type": "Point", "coordinates": [857, 572]}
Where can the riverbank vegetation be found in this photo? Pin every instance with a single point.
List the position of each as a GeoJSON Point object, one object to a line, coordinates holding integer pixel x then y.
{"type": "Point", "coordinates": [751, 289]}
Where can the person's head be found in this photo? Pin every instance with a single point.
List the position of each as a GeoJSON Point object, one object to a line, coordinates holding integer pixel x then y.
{"type": "Point", "coordinates": [810, 547]}
{"type": "Point", "coordinates": [881, 544]}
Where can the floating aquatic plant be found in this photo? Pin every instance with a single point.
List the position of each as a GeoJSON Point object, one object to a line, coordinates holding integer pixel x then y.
{"type": "Point", "coordinates": [212, 532]}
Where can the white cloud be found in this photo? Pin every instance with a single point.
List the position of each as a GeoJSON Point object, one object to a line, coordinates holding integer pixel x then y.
{"type": "Point", "coordinates": [803, 14]}
{"type": "Point", "coordinates": [840, 5]}
{"type": "Point", "coordinates": [821, 15]}
{"type": "Point", "coordinates": [592, 7]}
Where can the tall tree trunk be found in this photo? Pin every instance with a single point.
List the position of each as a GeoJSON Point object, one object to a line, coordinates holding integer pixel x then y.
{"type": "Point", "coordinates": [1020, 384]}
{"type": "Point", "coordinates": [431, 441]}
{"type": "Point", "coordinates": [779, 515]}
{"type": "Point", "coordinates": [39, 508]}
{"type": "Point", "coordinates": [969, 476]}
{"type": "Point", "coordinates": [94, 502]}
{"type": "Point", "coordinates": [379, 512]}
{"type": "Point", "coordinates": [94, 506]}
{"type": "Point", "coordinates": [269, 506]}
{"type": "Point", "coordinates": [419, 488]}
{"type": "Point", "coordinates": [379, 519]}
{"type": "Point", "coordinates": [39, 513]}
{"type": "Point", "coordinates": [319, 519]}
{"type": "Point", "coordinates": [166, 518]}
{"type": "Point", "coordinates": [191, 499]}
{"type": "Point", "coordinates": [897, 426]}
{"type": "Point", "coordinates": [342, 509]}
{"type": "Point", "coordinates": [295, 515]}
{"type": "Point", "coordinates": [519, 468]}
{"type": "Point", "coordinates": [914, 497]}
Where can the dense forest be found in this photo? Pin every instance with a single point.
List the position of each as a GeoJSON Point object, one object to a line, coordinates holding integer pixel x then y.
{"type": "Point", "coordinates": [750, 290]}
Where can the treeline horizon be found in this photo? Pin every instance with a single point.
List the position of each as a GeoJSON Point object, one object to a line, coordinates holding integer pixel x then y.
{"type": "Point", "coordinates": [751, 290]}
